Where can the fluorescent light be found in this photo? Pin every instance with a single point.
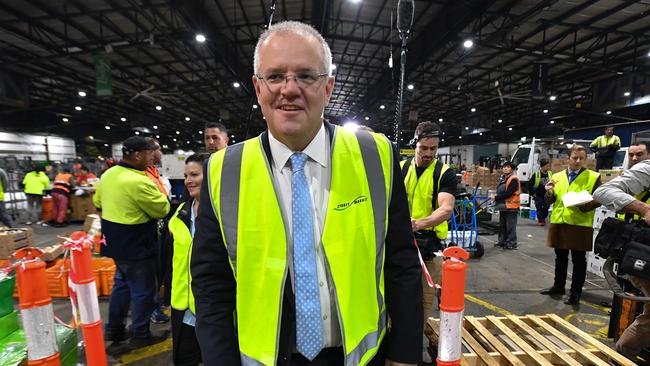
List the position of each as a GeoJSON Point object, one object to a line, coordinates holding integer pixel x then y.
{"type": "Point", "coordinates": [81, 93]}
{"type": "Point", "coordinates": [552, 97]}
{"type": "Point", "coordinates": [64, 119]}
{"type": "Point", "coordinates": [155, 127]}
{"type": "Point", "coordinates": [200, 132]}
{"type": "Point", "coordinates": [552, 122]}
{"type": "Point", "coordinates": [351, 125]}
{"type": "Point", "coordinates": [200, 38]}
{"type": "Point", "coordinates": [500, 121]}
{"type": "Point", "coordinates": [77, 108]}
{"type": "Point", "coordinates": [236, 84]}
{"type": "Point", "coordinates": [366, 118]}
{"type": "Point", "coordinates": [468, 43]}
{"type": "Point", "coordinates": [158, 108]}
{"type": "Point", "coordinates": [254, 106]}
{"type": "Point", "coordinates": [174, 139]}
{"type": "Point", "coordinates": [440, 119]}
{"type": "Point", "coordinates": [608, 112]}
{"type": "Point", "coordinates": [466, 128]}
{"type": "Point", "coordinates": [545, 111]}
{"type": "Point", "coordinates": [473, 109]}
{"type": "Point", "coordinates": [178, 132]}
{"type": "Point", "coordinates": [232, 136]}
{"type": "Point", "coordinates": [123, 119]}
{"type": "Point", "coordinates": [509, 128]}
{"type": "Point", "coordinates": [105, 145]}
{"type": "Point", "coordinates": [410, 87]}
{"type": "Point", "coordinates": [137, 132]}
{"type": "Point", "coordinates": [382, 107]}
{"type": "Point", "coordinates": [627, 94]}
{"type": "Point", "coordinates": [107, 127]}
{"type": "Point", "coordinates": [187, 118]}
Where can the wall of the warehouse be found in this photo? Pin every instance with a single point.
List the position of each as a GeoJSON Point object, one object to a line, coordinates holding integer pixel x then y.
{"type": "Point", "coordinates": [53, 148]}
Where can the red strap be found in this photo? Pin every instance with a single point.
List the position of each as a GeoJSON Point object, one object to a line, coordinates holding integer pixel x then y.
{"type": "Point", "coordinates": [424, 266]}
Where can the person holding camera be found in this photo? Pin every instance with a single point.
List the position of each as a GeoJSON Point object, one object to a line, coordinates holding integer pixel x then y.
{"type": "Point", "coordinates": [630, 193]}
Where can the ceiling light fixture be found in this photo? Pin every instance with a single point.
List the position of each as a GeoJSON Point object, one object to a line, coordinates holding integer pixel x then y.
{"type": "Point", "coordinates": [468, 43]}
{"type": "Point", "coordinates": [123, 119]}
{"type": "Point", "coordinates": [236, 84]}
{"type": "Point", "coordinates": [187, 119]}
{"type": "Point", "coordinates": [137, 132]}
{"type": "Point", "coordinates": [254, 106]}
{"type": "Point", "coordinates": [107, 127]}
{"type": "Point", "coordinates": [545, 111]}
{"type": "Point", "coordinates": [174, 139]}
{"type": "Point", "coordinates": [410, 87]}
{"type": "Point", "coordinates": [333, 67]}
{"type": "Point", "coordinates": [552, 122]}
{"type": "Point", "coordinates": [473, 109]}
{"type": "Point", "coordinates": [366, 118]}
{"type": "Point", "coordinates": [200, 132]}
{"type": "Point", "coordinates": [81, 93]}
{"type": "Point", "coordinates": [64, 119]}
{"type": "Point", "coordinates": [440, 119]}
{"type": "Point", "coordinates": [382, 107]}
{"type": "Point", "coordinates": [158, 108]}
{"type": "Point", "coordinates": [552, 98]}
{"type": "Point", "coordinates": [500, 121]}
{"type": "Point", "coordinates": [466, 128]}
{"type": "Point", "coordinates": [157, 136]}
{"type": "Point", "coordinates": [627, 94]}
{"type": "Point", "coordinates": [155, 127]}
{"type": "Point", "coordinates": [200, 38]}
{"type": "Point", "coordinates": [178, 132]}
{"type": "Point", "coordinates": [608, 112]}
{"type": "Point", "coordinates": [509, 128]}
{"type": "Point", "coordinates": [77, 108]}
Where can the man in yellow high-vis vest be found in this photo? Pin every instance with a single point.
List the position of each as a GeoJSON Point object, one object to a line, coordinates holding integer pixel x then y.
{"type": "Point", "coordinates": [303, 244]}
{"type": "Point", "coordinates": [430, 188]}
{"type": "Point", "coordinates": [605, 147]}
{"type": "Point", "coordinates": [5, 218]}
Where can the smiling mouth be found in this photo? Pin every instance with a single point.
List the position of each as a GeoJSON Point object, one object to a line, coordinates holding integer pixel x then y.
{"type": "Point", "coordinates": [288, 108]}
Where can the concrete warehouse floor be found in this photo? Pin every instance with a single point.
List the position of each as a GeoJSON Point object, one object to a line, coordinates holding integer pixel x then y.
{"type": "Point", "coordinates": [502, 282]}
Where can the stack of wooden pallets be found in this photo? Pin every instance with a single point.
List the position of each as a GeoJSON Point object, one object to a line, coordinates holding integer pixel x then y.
{"type": "Point", "coordinates": [528, 340]}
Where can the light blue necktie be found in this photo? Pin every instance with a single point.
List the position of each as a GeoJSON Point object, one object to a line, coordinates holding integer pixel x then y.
{"type": "Point", "coordinates": [572, 176]}
{"type": "Point", "coordinates": [309, 329]}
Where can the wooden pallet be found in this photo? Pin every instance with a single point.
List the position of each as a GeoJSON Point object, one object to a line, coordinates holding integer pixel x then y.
{"type": "Point", "coordinates": [528, 340]}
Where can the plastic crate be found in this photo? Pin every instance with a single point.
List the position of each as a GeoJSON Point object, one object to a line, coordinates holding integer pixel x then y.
{"type": "Point", "coordinates": [57, 279]}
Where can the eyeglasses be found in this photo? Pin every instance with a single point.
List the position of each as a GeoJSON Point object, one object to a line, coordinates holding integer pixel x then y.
{"type": "Point", "coordinates": [304, 79]}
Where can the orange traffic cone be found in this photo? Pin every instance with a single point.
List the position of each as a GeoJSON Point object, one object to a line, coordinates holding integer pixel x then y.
{"type": "Point", "coordinates": [86, 291]}
{"type": "Point", "coordinates": [452, 306]}
{"type": "Point", "coordinates": [36, 308]}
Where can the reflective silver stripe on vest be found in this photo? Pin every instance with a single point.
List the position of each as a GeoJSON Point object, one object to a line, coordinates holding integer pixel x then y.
{"type": "Point", "coordinates": [249, 361]}
{"type": "Point", "coordinates": [371, 340]}
{"type": "Point", "coordinates": [229, 198]}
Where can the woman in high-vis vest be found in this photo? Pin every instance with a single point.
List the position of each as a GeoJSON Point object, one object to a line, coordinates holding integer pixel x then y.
{"type": "Point", "coordinates": [507, 200]}
{"type": "Point", "coordinates": [178, 290]}
{"type": "Point", "coordinates": [35, 182]}
{"type": "Point", "coordinates": [571, 227]}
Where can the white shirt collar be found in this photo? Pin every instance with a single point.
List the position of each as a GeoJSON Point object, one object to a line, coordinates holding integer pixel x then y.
{"type": "Point", "coordinates": [316, 150]}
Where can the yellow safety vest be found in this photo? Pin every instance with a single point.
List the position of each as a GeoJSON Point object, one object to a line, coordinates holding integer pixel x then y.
{"type": "Point", "coordinates": [603, 141]}
{"type": "Point", "coordinates": [255, 235]}
{"type": "Point", "coordinates": [420, 194]}
{"type": "Point", "coordinates": [2, 192]}
{"type": "Point", "coordinates": [641, 196]}
{"type": "Point", "coordinates": [36, 183]}
{"type": "Point", "coordinates": [538, 177]}
{"type": "Point", "coordinates": [585, 181]}
{"type": "Point", "coordinates": [182, 296]}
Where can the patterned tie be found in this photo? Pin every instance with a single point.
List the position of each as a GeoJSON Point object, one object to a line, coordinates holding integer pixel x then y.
{"type": "Point", "coordinates": [309, 329]}
{"type": "Point", "coordinates": [572, 176]}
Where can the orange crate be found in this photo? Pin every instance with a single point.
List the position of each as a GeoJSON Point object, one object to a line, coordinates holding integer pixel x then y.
{"type": "Point", "coordinates": [57, 281]}
{"type": "Point", "coordinates": [107, 275]}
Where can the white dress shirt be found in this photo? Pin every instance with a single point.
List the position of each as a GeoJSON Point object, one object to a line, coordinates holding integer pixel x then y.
{"type": "Point", "coordinates": [318, 172]}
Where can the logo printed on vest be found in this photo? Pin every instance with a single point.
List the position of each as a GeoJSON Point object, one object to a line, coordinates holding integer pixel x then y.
{"type": "Point", "coordinates": [639, 264]}
{"type": "Point", "coordinates": [344, 206]}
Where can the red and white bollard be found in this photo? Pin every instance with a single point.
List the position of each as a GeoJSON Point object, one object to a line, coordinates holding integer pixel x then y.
{"type": "Point", "coordinates": [85, 289]}
{"type": "Point", "coordinates": [36, 308]}
{"type": "Point", "coordinates": [452, 307]}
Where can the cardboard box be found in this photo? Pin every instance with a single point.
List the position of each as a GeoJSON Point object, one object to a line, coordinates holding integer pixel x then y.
{"type": "Point", "coordinates": [81, 207]}
{"type": "Point", "coordinates": [93, 221]}
{"type": "Point", "coordinates": [52, 252]}
{"type": "Point", "coordinates": [14, 238]}
{"type": "Point", "coordinates": [607, 175]}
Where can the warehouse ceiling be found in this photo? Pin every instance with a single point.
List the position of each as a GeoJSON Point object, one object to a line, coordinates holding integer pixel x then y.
{"type": "Point", "coordinates": [594, 57]}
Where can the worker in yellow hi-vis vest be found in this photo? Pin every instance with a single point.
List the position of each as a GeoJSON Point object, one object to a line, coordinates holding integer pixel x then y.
{"type": "Point", "coordinates": [605, 147]}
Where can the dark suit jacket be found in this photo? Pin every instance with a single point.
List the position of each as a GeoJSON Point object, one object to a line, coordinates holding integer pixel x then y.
{"type": "Point", "coordinates": [214, 286]}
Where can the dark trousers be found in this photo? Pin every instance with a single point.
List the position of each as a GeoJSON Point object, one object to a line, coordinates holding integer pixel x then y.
{"type": "Point", "coordinates": [60, 206]}
{"type": "Point", "coordinates": [604, 163]}
{"type": "Point", "coordinates": [134, 288]}
{"type": "Point", "coordinates": [5, 218]}
{"type": "Point", "coordinates": [542, 208]}
{"type": "Point", "coordinates": [185, 351]}
{"type": "Point", "coordinates": [579, 259]}
{"type": "Point", "coordinates": [508, 228]}
{"type": "Point", "coordinates": [334, 356]}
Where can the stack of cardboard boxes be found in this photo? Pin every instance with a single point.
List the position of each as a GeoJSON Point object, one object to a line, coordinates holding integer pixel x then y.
{"type": "Point", "coordinates": [483, 176]}
{"type": "Point", "coordinates": [561, 164]}
{"type": "Point", "coordinates": [608, 174]}
{"type": "Point", "coordinates": [81, 206]}
{"type": "Point", "coordinates": [14, 238]}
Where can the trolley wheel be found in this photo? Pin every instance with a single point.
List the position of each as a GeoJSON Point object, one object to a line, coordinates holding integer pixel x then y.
{"type": "Point", "coordinates": [480, 250]}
